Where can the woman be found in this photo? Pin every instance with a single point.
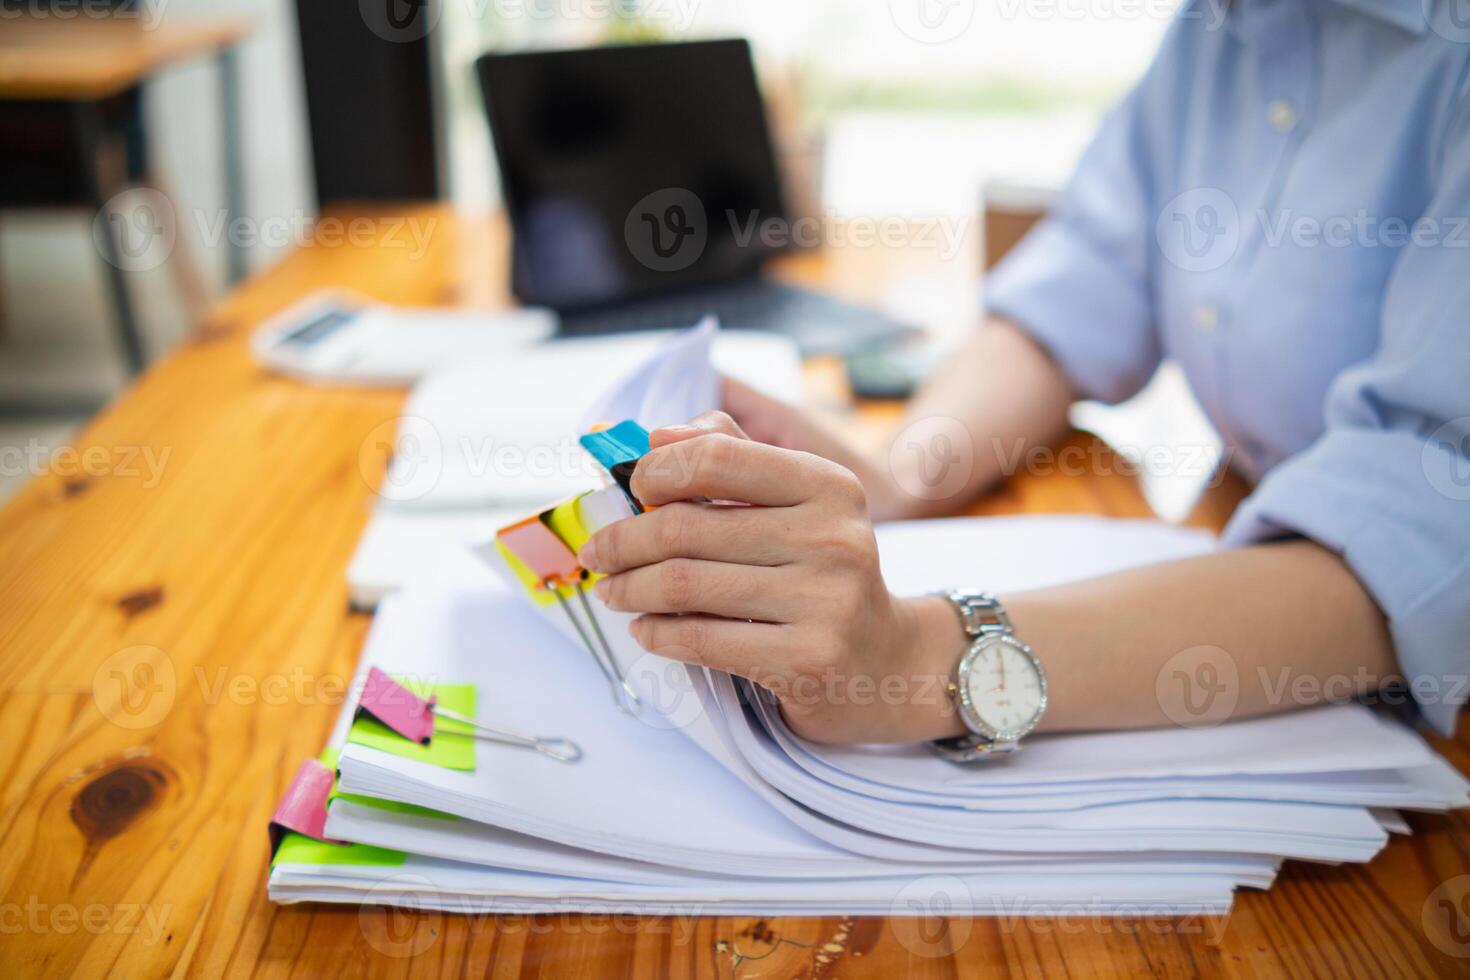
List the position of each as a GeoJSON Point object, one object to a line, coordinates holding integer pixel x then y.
{"type": "Point", "coordinates": [1280, 206]}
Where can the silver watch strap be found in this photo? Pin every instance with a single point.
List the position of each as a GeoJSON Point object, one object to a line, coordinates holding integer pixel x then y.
{"type": "Point", "coordinates": [981, 614]}
{"type": "Point", "coordinates": [970, 748]}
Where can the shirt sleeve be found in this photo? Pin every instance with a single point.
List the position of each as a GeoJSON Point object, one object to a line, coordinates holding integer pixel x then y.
{"type": "Point", "coordinates": [1387, 485]}
{"type": "Point", "coordinates": [1078, 282]}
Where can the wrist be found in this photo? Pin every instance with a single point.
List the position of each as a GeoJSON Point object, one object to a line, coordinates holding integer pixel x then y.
{"type": "Point", "coordinates": [932, 642]}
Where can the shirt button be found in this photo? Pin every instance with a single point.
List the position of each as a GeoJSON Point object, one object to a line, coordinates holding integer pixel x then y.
{"type": "Point", "coordinates": [1281, 116]}
{"type": "Point", "coordinates": [1206, 317]}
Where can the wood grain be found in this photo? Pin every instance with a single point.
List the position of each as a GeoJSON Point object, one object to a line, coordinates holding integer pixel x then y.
{"type": "Point", "coordinates": [176, 639]}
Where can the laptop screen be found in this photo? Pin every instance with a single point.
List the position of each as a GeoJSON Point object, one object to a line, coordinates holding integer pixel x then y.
{"type": "Point", "coordinates": [631, 170]}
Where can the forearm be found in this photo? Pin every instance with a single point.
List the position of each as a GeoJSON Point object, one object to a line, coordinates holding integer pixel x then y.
{"type": "Point", "coordinates": [1193, 642]}
{"type": "Point", "coordinates": [1005, 390]}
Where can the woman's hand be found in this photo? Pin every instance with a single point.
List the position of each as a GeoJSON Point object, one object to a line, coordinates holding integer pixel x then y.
{"type": "Point", "coordinates": [778, 582]}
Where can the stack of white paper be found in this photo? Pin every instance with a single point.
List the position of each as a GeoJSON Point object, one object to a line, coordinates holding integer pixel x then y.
{"type": "Point", "coordinates": [711, 805]}
{"type": "Point", "coordinates": [707, 804]}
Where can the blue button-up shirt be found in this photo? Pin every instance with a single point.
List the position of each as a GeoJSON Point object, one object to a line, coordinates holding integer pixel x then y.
{"type": "Point", "coordinates": [1282, 206]}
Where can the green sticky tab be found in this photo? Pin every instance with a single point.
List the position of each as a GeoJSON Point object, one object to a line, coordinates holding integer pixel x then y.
{"type": "Point", "coordinates": [451, 745]}
{"type": "Point", "coordinates": [393, 806]}
{"type": "Point", "coordinates": [300, 849]}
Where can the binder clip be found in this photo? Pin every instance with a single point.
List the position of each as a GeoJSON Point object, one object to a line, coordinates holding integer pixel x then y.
{"type": "Point", "coordinates": [554, 564]}
{"type": "Point", "coordinates": [618, 449]}
{"type": "Point", "coordinates": [303, 810]}
{"type": "Point", "coordinates": [412, 717]}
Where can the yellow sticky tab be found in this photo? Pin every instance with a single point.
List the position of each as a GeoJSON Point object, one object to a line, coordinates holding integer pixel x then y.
{"type": "Point", "coordinates": [565, 521]}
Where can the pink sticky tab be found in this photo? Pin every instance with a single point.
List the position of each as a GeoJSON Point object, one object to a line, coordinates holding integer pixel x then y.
{"type": "Point", "coordinates": [303, 809]}
{"type": "Point", "coordinates": [397, 707]}
{"type": "Point", "coordinates": [541, 550]}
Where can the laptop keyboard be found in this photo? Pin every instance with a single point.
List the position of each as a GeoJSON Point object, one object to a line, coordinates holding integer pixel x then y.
{"type": "Point", "coordinates": [819, 324]}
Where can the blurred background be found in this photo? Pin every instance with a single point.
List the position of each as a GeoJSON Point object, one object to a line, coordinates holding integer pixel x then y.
{"type": "Point", "coordinates": [281, 108]}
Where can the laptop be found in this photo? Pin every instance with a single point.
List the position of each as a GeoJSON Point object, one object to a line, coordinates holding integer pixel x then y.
{"type": "Point", "coordinates": [643, 193]}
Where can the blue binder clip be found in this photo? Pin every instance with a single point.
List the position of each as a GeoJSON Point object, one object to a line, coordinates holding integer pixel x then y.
{"type": "Point", "coordinates": [618, 449]}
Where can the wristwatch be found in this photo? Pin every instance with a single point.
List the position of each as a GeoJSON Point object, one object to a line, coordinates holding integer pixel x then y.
{"type": "Point", "coordinates": [998, 687]}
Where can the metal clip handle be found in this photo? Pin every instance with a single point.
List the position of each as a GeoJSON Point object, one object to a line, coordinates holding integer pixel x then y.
{"type": "Point", "coordinates": [560, 749]}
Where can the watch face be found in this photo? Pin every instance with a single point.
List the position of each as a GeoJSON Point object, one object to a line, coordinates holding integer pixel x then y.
{"type": "Point", "coordinates": [1004, 687]}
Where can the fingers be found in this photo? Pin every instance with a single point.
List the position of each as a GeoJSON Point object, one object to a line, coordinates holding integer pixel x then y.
{"type": "Point", "coordinates": [719, 466]}
{"type": "Point", "coordinates": [685, 585]}
{"type": "Point", "coordinates": [705, 423]}
{"type": "Point", "coordinates": [748, 535]}
{"type": "Point", "coordinates": [753, 650]}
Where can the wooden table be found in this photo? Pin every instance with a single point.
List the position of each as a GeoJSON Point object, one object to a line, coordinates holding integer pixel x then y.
{"type": "Point", "coordinates": [85, 67]}
{"type": "Point", "coordinates": [176, 639]}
